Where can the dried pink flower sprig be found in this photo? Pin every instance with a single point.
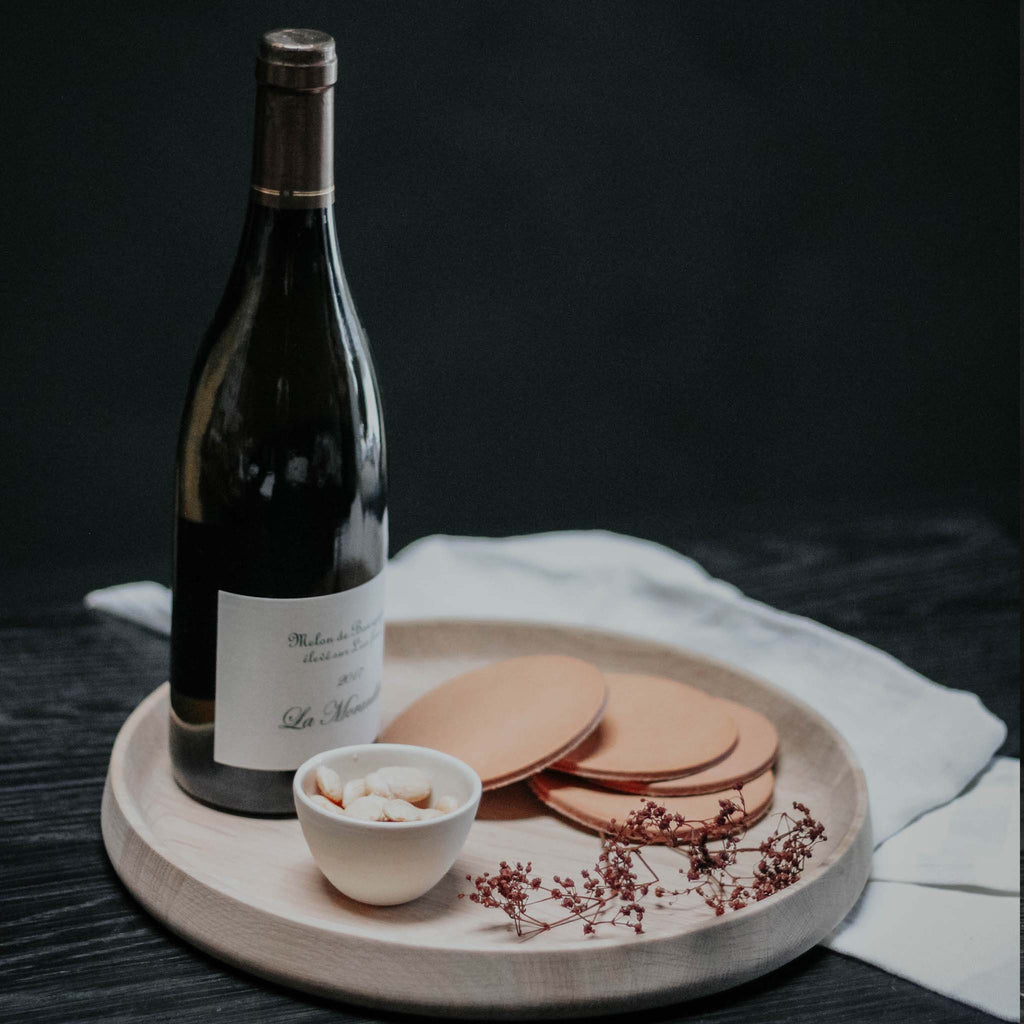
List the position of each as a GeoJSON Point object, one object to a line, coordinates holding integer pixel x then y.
{"type": "Point", "coordinates": [612, 892]}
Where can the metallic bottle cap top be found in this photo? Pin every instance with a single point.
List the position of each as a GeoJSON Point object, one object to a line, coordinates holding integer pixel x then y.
{"type": "Point", "coordinates": [297, 58]}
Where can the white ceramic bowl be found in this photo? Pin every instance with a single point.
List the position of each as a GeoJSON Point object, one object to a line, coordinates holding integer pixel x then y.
{"type": "Point", "coordinates": [386, 862]}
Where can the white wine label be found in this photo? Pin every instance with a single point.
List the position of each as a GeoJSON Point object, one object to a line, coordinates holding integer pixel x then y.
{"type": "Point", "coordinates": [297, 675]}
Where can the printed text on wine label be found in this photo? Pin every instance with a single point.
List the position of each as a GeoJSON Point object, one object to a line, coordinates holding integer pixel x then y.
{"type": "Point", "coordinates": [333, 711]}
{"type": "Point", "coordinates": [297, 675]}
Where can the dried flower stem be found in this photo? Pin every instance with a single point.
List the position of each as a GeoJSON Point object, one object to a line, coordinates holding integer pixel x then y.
{"type": "Point", "coordinates": [612, 892]}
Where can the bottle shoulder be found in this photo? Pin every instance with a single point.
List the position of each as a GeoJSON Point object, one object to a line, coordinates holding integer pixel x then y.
{"type": "Point", "coordinates": [281, 363]}
{"type": "Point", "coordinates": [280, 404]}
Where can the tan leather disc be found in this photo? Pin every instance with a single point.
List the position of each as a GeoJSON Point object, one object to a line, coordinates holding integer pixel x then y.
{"type": "Point", "coordinates": [590, 805]}
{"type": "Point", "coordinates": [754, 752]}
{"type": "Point", "coordinates": [653, 728]}
{"type": "Point", "coordinates": [509, 719]}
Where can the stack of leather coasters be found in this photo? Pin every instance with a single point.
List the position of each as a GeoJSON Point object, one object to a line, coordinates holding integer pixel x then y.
{"type": "Point", "coordinates": [594, 745]}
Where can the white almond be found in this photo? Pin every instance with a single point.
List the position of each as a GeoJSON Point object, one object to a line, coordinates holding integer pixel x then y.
{"type": "Point", "coordinates": [401, 810]}
{"type": "Point", "coordinates": [429, 812]}
{"type": "Point", "coordinates": [377, 784]}
{"type": "Point", "coordinates": [404, 783]}
{"type": "Point", "coordinates": [369, 808]}
{"type": "Point", "coordinates": [354, 789]}
{"type": "Point", "coordinates": [327, 805]}
{"type": "Point", "coordinates": [328, 781]}
{"type": "Point", "coordinates": [446, 804]}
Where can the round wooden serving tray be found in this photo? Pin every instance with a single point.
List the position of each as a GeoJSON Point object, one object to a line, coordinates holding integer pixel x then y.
{"type": "Point", "coordinates": [246, 889]}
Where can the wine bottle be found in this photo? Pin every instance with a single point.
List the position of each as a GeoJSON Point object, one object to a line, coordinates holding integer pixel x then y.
{"type": "Point", "coordinates": [281, 529]}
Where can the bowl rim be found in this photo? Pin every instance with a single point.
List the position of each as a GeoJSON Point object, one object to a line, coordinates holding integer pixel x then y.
{"type": "Point", "coordinates": [300, 795]}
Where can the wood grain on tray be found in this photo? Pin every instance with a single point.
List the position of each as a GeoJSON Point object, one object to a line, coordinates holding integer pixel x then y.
{"type": "Point", "coordinates": [247, 890]}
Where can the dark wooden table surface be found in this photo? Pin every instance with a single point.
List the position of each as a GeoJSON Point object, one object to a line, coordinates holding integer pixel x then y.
{"type": "Point", "coordinates": [939, 591]}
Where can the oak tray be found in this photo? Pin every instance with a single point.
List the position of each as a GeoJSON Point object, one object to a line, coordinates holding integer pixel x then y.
{"type": "Point", "coordinates": [246, 889]}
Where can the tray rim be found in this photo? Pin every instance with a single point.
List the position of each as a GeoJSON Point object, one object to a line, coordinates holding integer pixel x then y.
{"type": "Point", "coordinates": [119, 811]}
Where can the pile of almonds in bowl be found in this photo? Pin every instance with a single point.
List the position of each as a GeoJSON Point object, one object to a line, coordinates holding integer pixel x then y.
{"type": "Point", "coordinates": [394, 793]}
{"type": "Point", "coordinates": [385, 821]}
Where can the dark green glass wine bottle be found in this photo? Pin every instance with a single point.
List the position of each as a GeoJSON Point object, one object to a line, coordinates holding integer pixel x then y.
{"type": "Point", "coordinates": [281, 531]}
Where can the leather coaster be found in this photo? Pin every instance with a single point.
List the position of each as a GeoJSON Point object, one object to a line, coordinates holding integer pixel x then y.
{"type": "Point", "coordinates": [754, 752]}
{"type": "Point", "coordinates": [509, 719]}
{"type": "Point", "coordinates": [653, 728]}
{"type": "Point", "coordinates": [594, 807]}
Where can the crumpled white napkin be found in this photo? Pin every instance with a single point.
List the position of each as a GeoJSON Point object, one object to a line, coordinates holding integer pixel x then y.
{"type": "Point", "coordinates": [972, 841]}
{"type": "Point", "coordinates": [919, 743]}
{"type": "Point", "coordinates": [963, 944]}
{"type": "Point", "coordinates": [146, 603]}
{"type": "Point", "coordinates": [942, 907]}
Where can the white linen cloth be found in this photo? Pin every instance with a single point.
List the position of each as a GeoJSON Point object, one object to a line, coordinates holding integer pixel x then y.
{"type": "Point", "coordinates": [920, 744]}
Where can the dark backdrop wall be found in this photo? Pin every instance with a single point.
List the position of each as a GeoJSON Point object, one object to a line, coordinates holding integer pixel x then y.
{"type": "Point", "coordinates": [621, 264]}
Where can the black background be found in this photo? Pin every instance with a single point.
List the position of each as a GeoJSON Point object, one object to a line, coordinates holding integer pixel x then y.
{"type": "Point", "coordinates": [627, 265]}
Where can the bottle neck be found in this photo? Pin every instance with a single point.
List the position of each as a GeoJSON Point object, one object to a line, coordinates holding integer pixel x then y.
{"type": "Point", "coordinates": [293, 153]}
{"type": "Point", "coordinates": [290, 252]}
